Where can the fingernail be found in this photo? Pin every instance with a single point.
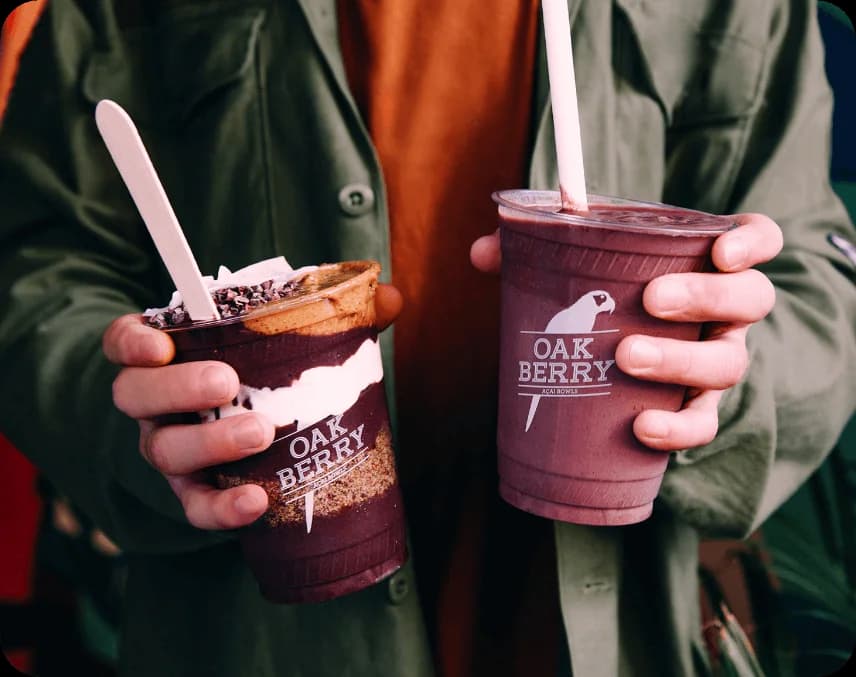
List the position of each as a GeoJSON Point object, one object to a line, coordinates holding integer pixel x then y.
{"type": "Point", "coordinates": [246, 504]}
{"type": "Point", "coordinates": [657, 429]}
{"type": "Point", "coordinates": [248, 434]}
{"type": "Point", "coordinates": [735, 252]}
{"type": "Point", "coordinates": [152, 348]}
{"type": "Point", "coordinates": [645, 355]}
{"type": "Point", "coordinates": [217, 384]}
{"type": "Point", "coordinates": [672, 296]}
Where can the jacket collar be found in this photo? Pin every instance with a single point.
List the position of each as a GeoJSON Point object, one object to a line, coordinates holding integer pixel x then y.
{"type": "Point", "coordinates": [322, 17]}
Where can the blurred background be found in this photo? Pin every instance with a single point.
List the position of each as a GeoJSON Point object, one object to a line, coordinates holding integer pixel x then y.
{"type": "Point", "coordinates": [781, 603]}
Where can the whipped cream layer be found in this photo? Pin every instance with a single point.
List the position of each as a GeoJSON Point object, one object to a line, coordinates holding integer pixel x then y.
{"type": "Point", "coordinates": [316, 393]}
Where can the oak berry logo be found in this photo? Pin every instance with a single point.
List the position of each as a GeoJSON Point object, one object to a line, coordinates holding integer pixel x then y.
{"type": "Point", "coordinates": [320, 454]}
{"type": "Point", "coordinates": [560, 359]}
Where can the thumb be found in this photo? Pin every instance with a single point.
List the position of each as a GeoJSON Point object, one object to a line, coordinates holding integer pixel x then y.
{"type": "Point", "coordinates": [129, 342]}
{"type": "Point", "coordinates": [388, 303]}
{"type": "Point", "coordinates": [485, 254]}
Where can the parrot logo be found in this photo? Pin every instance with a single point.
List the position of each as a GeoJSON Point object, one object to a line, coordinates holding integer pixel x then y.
{"type": "Point", "coordinates": [578, 318]}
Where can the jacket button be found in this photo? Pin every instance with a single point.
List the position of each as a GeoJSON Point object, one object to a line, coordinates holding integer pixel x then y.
{"type": "Point", "coordinates": [399, 587]}
{"type": "Point", "coordinates": [356, 199]}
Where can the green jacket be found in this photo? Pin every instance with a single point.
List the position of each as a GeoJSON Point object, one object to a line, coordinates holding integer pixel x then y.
{"type": "Point", "coordinates": [247, 114]}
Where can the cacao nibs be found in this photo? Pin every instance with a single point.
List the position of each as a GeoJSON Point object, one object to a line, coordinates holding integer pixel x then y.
{"type": "Point", "coordinates": [230, 302]}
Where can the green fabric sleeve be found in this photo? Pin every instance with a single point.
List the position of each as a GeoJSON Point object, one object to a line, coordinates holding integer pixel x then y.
{"type": "Point", "coordinates": [778, 424]}
{"type": "Point", "coordinates": [73, 257]}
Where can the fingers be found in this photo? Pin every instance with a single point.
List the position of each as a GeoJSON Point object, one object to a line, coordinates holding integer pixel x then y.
{"type": "Point", "coordinates": [177, 451]}
{"type": "Point", "coordinates": [210, 508]}
{"type": "Point", "coordinates": [716, 363]}
{"type": "Point", "coordinates": [743, 297]}
{"type": "Point", "coordinates": [143, 392]}
{"type": "Point", "coordinates": [183, 449]}
{"type": "Point", "coordinates": [696, 424]}
{"type": "Point", "coordinates": [756, 239]}
{"type": "Point", "coordinates": [485, 253]}
{"type": "Point", "coordinates": [388, 303]}
{"type": "Point", "coordinates": [128, 341]}
{"type": "Point", "coordinates": [181, 452]}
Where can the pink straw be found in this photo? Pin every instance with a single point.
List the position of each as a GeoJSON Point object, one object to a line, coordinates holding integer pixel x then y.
{"type": "Point", "coordinates": [563, 95]}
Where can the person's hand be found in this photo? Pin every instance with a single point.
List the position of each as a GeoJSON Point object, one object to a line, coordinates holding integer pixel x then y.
{"type": "Point", "coordinates": [151, 390]}
{"type": "Point", "coordinates": [730, 301]}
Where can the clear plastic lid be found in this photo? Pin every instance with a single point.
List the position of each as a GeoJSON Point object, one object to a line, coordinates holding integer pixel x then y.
{"type": "Point", "coordinates": [611, 213]}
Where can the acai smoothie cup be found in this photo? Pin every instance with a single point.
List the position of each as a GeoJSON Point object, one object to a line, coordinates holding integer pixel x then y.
{"type": "Point", "coordinates": [307, 356]}
{"type": "Point", "coordinates": [572, 285]}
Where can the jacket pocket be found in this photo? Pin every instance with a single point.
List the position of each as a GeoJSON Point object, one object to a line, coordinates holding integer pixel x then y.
{"type": "Point", "coordinates": [160, 73]}
{"type": "Point", "coordinates": [702, 61]}
{"type": "Point", "coordinates": [192, 82]}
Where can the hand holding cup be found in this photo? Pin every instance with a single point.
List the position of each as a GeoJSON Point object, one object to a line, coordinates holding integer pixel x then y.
{"type": "Point", "coordinates": [728, 301]}
{"type": "Point", "coordinates": [153, 391]}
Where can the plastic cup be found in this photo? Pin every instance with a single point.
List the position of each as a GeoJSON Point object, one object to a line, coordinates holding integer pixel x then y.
{"type": "Point", "coordinates": [311, 363]}
{"type": "Point", "coordinates": [572, 288]}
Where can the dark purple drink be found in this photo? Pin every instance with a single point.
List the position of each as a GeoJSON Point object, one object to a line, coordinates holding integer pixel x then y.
{"type": "Point", "coordinates": [311, 363]}
{"type": "Point", "coordinates": [572, 288]}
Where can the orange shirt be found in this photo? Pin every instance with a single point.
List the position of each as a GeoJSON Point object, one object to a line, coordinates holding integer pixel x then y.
{"type": "Point", "coordinates": [13, 37]}
{"type": "Point", "coordinates": [445, 89]}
